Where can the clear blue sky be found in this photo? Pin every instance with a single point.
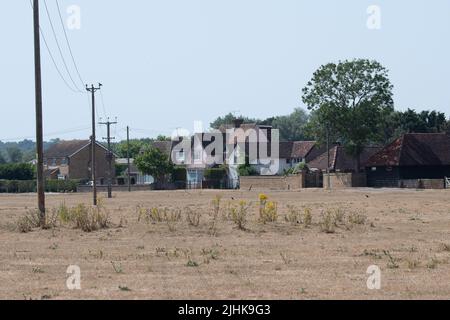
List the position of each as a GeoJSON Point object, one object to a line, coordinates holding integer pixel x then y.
{"type": "Point", "coordinates": [167, 63]}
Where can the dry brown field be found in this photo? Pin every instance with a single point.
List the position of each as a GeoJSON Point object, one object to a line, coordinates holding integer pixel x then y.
{"type": "Point", "coordinates": [406, 233]}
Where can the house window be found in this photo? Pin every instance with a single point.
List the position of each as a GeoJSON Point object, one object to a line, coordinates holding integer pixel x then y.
{"type": "Point", "coordinates": [64, 161]}
{"type": "Point", "coordinates": [389, 169]}
{"type": "Point", "coordinates": [180, 156]}
{"type": "Point", "coordinates": [197, 155]}
{"type": "Point", "coordinates": [374, 168]}
{"type": "Point", "coordinates": [53, 162]}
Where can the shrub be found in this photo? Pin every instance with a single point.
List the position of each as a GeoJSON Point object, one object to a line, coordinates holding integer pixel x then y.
{"type": "Point", "coordinates": [193, 217]}
{"type": "Point", "coordinates": [307, 217]}
{"type": "Point", "coordinates": [339, 214]}
{"type": "Point", "coordinates": [357, 218]}
{"type": "Point", "coordinates": [157, 215]}
{"type": "Point", "coordinates": [328, 222]}
{"type": "Point", "coordinates": [269, 212]}
{"type": "Point", "coordinates": [171, 217]}
{"type": "Point", "coordinates": [152, 215]}
{"type": "Point", "coordinates": [293, 216]}
{"type": "Point", "coordinates": [89, 219]}
{"type": "Point", "coordinates": [31, 220]}
{"type": "Point", "coordinates": [63, 213]}
{"type": "Point", "coordinates": [238, 214]}
{"type": "Point", "coordinates": [216, 205]}
{"type": "Point", "coordinates": [247, 170]}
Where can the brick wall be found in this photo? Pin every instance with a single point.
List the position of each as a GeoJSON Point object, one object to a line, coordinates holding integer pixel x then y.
{"type": "Point", "coordinates": [423, 184]}
{"type": "Point", "coordinates": [115, 188]}
{"type": "Point", "coordinates": [80, 163]}
{"type": "Point", "coordinates": [294, 182]}
{"type": "Point", "coordinates": [345, 180]}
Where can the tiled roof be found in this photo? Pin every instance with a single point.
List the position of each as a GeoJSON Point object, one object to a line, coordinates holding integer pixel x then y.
{"type": "Point", "coordinates": [163, 146]}
{"type": "Point", "coordinates": [64, 149]}
{"type": "Point", "coordinates": [295, 149]}
{"type": "Point", "coordinates": [300, 149]}
{"type": "Point", "coordinates": [340, 160]}
{"type": "Point", "coordinates": [414, 149]}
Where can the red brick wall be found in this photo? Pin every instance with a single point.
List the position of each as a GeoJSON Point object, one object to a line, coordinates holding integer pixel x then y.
{"type": "Point", "coordinates": [80, 163]}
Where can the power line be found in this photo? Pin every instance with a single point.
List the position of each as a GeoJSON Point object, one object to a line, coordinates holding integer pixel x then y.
{"type": "Point", "coordinates": [59, 47]}
{"type": "Point", "coordinates": [52, 58]}
{"type": "Point", "coordinates": [51, 134]}
{"type": "Point", "coordinates": [68, 43]}
{"type": "Point", "coordinates": [103, 104]}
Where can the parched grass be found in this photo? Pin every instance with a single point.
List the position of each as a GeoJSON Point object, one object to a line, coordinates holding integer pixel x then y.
{"type": "Point", "coordinates": [328, 222]}
{"type": "Point", "coordinates": [307, 217]}
{"type": "Point", "coordinates": [357, 218]}
{"type": "Point", "coordinates": [88, 218]}
{"type": "Point", "coordinates": [193, 216]}
{"type": "Point", "coordinates": [296, 216]}
{"type": "Point", "coordinates": [239, 214]}
{"type": "Point", "coordinates": [31, 220]}
{"type": "Point", "coordinates": [159, 215]}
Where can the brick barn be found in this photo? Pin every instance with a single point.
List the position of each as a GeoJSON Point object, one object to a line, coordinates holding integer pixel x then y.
{"type": "Point", "coordinates": [413, 160]}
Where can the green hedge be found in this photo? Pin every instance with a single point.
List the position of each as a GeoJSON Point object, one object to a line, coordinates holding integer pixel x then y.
{"type": "Point", "coordinates": [247, 170]}
{"type": "Point", "coordinates": [217, 174]}
{"type": "Point", "coordinates": [28, 186]}
{"type": "Point", "coordinates": [179, 174]}
{"type": "Point", "coordinates": [17, 171]}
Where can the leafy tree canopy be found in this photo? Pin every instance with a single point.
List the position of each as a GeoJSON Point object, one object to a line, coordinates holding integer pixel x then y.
{"type": "Point", "coordinates": [154, 162]}
{"type": "Point", "coordinates": [352, 99]}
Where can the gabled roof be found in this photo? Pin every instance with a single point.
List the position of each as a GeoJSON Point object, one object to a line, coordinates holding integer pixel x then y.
{"type": "Point", "coordinates": [295, 149]}
{"type": "Point", "coordinates": [340, 160]}
{"type": "Point", "coordinates": [63, 149]}
{"type": "Point", "coordinates": [414, 149]}
{"type": "Point", "coordinates": [301, 149]}
{"type": "Point", "coordinates": [163, 146]}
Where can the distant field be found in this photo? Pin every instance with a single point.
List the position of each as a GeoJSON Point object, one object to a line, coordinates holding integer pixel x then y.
{"type": "Point", "coordinates": [404, 232]}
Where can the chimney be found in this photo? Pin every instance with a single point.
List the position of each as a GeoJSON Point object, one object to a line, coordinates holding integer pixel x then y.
{"type": "Point", "coordinates": [238, 123]}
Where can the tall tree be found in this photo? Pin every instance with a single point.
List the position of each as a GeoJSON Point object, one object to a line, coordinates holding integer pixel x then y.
{"type": "Point", "coordinates": [2, 158]}
{"type": "Point", "coordinates": [154, 162]}
{"type": "Point", "coordinates": [136, 146]}
{"type": "Point", "coordinates": [292, 127]}
{"type": "Point", "coordinates": [410, 121]}
{"type": "Point", "coordinates": [352, 99]}
{"type": "Point", "coordinates": [228, 119]}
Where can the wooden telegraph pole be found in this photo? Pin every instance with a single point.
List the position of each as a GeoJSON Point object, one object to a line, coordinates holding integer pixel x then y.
{"type": "Point", "coordinates": [109, 154]}
{"type": "Point", "coordinates": [39, 126]}
{"type": "Point", "coordinates": [92, 90]}
{"type": "Point", "coordinates": [128, 159]}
